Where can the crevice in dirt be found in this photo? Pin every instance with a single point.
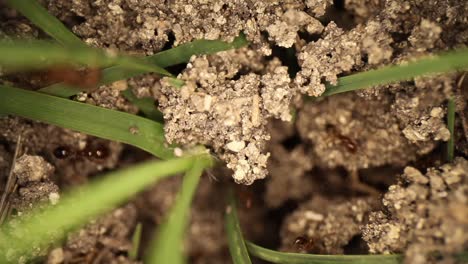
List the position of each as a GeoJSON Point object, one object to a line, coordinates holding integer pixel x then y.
{"type": "Point", "coordinates": [379, 177]}
{"type": "Point", "coordinates": [338, 14]}
{"type": "Point", "coordinates": [356, 246]}
{"type": "Point", "coordinates": [288, 58]}
{"type": "Point", "coordinates": [277, 217]}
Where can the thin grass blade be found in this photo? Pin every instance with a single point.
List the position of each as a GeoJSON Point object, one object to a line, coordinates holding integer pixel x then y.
{"type": "Point", "coordinates": [146, 105]}
{"type": "Point", "coordinates": [451, 128]}
{"type": "Point", "coordinates": [110, 124]}
{"type": "Point", "coordinates": [447, 62]}
{"type": "Point", "coordinates": [40, 54]}
{"type": "Point", "coordinates": [42, 228]}
{"type": "Point", "coordinates": [174, 56]}
{"type": "Point", "coordinates": [167, 246]}
{"type": "Point", "coordinates": [136, 238]}
{"type": "Point", "coordinates": [296, 258]}
{"type": "Point", "coordinates": [39, 16]}
{"type": "Point", "coordinates": [236, 241]}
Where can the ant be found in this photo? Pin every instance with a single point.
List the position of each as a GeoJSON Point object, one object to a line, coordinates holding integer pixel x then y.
{"type": "Point", "coordinates": [98, 152]}
{"type": "Point", "coordinates": [85, 78]}
{"type": "Point", "coordinates": [245, 196]}
{"type": "Point", "coordinates": [304, 243]}
{"type": "Point", "coordinates": [350, 144]}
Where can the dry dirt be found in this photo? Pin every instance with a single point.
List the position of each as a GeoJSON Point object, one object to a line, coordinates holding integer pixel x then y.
{"type": "Point", "coordinates": [359, 172]}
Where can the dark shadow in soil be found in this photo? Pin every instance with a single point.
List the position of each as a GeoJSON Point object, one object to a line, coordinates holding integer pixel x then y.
{"type": "Point", "coordinates": [275, 218]}
{"type": "Point", "coordinates": [175, 69]}
{"type": "Point", "coordinates": [381, 177]}
{"type": "Point", "coordinates": [356, 246]}
{"type": "Point", "coordinates": [309, 37]}
{"type": "Point", "coordinates": [338, 14]}
{"type": "Point", "coordinates": [288, 58]}
{"type": "Point", "coordinates": [292, 142]}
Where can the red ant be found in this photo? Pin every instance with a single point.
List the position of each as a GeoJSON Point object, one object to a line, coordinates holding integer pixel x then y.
{"type": "Point", "coordinates": [245, 196]}
{"type": "Point", "coordinates": [350, 144]}
{"type": "Point", "coordinates": [304, 243]}
{"type": "Point", "coordinates": [98, 152]}
{"type": "Point", "coordinates": [86, 78]}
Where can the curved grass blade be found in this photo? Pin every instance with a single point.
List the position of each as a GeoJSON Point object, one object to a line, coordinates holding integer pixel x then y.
{"type": "Point", "coordinates": [136, 238]}
{"type": "Point", "coordinates": [451, 128]}
{"type": "Point", "coordinates": [42, 228]}
{"type": "Point", "coordinates": [39, 16]}
{"type": "Point", "coordinates": [40, 54]}
{"type": "Point", "coordinates": [110, 124]}
{"type": "Point", "coordinates": [446, 62]}
{"type": "Point", "coordinates": [146, 105]}
{"type": "Point", "coordinates": [167, 246]}
{"type": "Point", "coordinates": [296, 258]}
{"type": "Point", "coordinates": [237, 245]}
{"type": "Point", "coordinates": [174, 56]}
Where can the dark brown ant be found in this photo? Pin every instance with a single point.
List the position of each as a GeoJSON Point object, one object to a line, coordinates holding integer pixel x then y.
{"type": "Point", "coordinates": [350, 144]}
{"type": "Point", "coordinates": [245, 196]}
{"type": "Point", "coordinates": [304, 243]}
{"type": "Point", "coordinates": [86, 78]}
{"type": "Point", "coordinates": [98, 152]}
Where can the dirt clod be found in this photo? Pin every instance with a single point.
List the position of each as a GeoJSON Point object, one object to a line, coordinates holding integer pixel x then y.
{"type": "Point", "coordinates": [425, 214]}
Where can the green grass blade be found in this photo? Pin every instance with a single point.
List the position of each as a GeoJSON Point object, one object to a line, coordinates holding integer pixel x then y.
{"type": "Point", "coordinates": [136, 238]}
{"type": "Point", "coordinates": [182, 53]}
{"type": "Point", "coordinates": [82, 204]}
{"type": "Point", "coordinates": [40, 54]}
{"type": "Point", "coordinates": [110, 124]}
{"type": "Point", "coordinates": [168, 245]}
{"type": "Point", "coordinates": [146, 105]}
{"type": "Point", "coordinates": [450, 61]}
{"type": "Point", "coordinates": [39, 16]}
{"type": "Point", "coordinates": [296, 258]}
{"type": "Point", "coordinates": [237, 245]}
{"type": "Point", "coordinates": [174, 56]}
{"type": "Point", "coordinates": [451, 128]}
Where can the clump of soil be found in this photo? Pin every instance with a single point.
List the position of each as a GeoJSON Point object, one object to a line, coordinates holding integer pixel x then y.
{"type": "Point", "coordinates": [105, 240]}
{"type": "Point", "coordinates": [33, 189]}
{"type": "Point", "coordinates": [228, 115]}
{"type": "Point", "coordinates": [327, 226]}
{"type": "Point", "coordinates": [32, 174]}
{"type": "Point", "coordinates": [147, 25]}
{"type": "Point", "coordinates": [424, 216]}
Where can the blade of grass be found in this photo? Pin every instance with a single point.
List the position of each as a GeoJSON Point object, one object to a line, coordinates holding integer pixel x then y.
{"type": "Point", "coordinates": [168, 244]}
{"type": "Point", "coordinates": [136, 238]}
{"type": "Point", "coordinates": [451, 128]}
{"type": "Point", "coordinates": [40, 54]}
{"type": "Point", "coordinates": [174, 56]}
{"type": "Point", "coordinates": [110, 124]}
{"type": "Point", "coordinates": [39, 16]}
{"type": "Point", "coordinates": [146, 105]}
{"type": "Point", "coordinates": [41, 228]}
{"type": "Point", "coordinates": [446, 62]}
{"type": "Point", "coordinates": [296, 258]}
{"type": "Point", "coordinates": [236, 242]}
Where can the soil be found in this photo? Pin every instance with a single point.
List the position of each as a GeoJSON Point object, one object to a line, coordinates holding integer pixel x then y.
{"type": "Point", "coordinates": [359, 172]}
